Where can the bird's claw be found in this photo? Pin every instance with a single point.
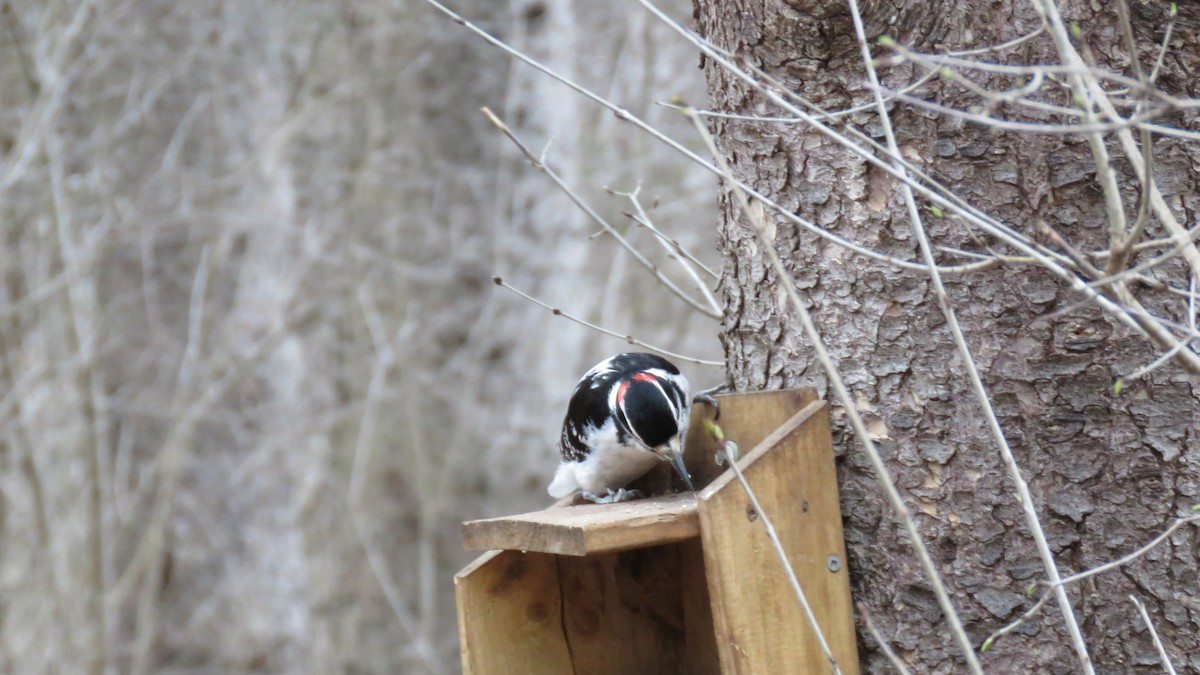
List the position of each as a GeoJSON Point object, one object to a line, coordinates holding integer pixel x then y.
{"type": "Point", "coordinates": [621, 495]}
{"type": "Point", "coordinates": [708, 397]}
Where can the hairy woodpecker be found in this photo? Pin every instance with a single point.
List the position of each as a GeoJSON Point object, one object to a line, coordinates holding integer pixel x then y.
{"type": "Point", "coordinates": [627, 414]}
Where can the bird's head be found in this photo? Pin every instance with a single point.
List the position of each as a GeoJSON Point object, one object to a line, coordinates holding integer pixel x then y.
{"type": "Point", "coordinates": [653, 408]}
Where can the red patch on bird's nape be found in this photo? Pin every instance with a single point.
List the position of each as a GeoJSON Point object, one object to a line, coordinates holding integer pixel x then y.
{"type": "Point", "coordinates": [621, 391]}
{"type": "Point", "coordinates": [637, 377]}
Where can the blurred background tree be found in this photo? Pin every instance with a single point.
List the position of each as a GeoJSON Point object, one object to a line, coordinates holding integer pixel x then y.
{"type": "Point", "coordinates": [253, 374]}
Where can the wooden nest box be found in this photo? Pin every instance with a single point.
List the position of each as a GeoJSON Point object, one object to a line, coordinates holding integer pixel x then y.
{"type": "Point", "coordinates": [684, 583]}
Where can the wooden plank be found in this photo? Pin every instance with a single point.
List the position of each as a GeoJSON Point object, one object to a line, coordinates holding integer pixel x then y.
{"type": "Point", "coordinates": [639, 611]}
{"type": "Point", "coordinates": [759, 623]}
{"type": "Point", "coordinates": [510, 615]}
{"type": "Point", "coordinates": [700, 656]}
{"type": "Point", "coordinates": [627, 612]}
{"type": "Point", "coordinates": [748, 417]}
{"type": "Point", "coordinates": [585, 529]}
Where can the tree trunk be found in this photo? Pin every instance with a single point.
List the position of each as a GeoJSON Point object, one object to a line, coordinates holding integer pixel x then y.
{"type": "Point", "coordinates": [1108, 469]}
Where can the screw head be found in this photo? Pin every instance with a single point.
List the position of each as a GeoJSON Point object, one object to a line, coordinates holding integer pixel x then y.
{"type": "Point", "coordinates": [833, 563]}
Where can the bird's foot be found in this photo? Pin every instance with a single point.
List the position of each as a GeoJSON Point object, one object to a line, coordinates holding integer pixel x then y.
{"type": "Point", "coordinates": [621, 495]}
{"type": "Point", "coordinates": [708, 396]}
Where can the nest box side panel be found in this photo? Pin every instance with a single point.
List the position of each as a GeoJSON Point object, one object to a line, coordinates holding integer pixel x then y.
{"type": "Point", "coordinates": [629, 612]}
{"type": "Point", "coordinates": [510, 615]}
{"type": "Point", "coordinates": [700, 656]}
{"type": "Point", "coordinates": [760, 625]}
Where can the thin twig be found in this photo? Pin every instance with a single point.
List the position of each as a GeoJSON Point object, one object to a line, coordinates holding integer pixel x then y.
{"type": "Point", "coordinates": [935, 192]}
{"type": "Point", "coordinates": [81, 301]}
{"type": "Point", "coordinates": [1128, 558]}
{"type": "Point", "coordinates": [1037, 606]}
{"type": "Point", "coordinates": [730, 454]}
{"type": "Point", "coordinates": [1193, 235]}
{"type": "Point", "coordinates": [1015, 42]}
{"type": "Point", "coordinates": [712, 311]}
{"type": "Point", "coordinates": [784, 279]}
{"type": "Point", "coordinates": [672, 247]}
{"type": "Point", "coordinates": [831, 114]}
{"type": "Point", "coordinates": [1158, 644]}
{"type": "Point", "coordinates": [1166, 43]}
{"type": "Point", "coordinates": [1043, 128]}
{"type": "Point", "coordinates": [1121, 249]}
{"type": "Point", "coordinates": [1165, 356]}
{"type": "Point", "coordinates": [1177, 247]}
{"type": "Point", "coordinates": [1024, 496]}
{"type": "Point", "coordinates": [628, 338]}
{"type": "Point", "coordinates": [676, 247]}
{"type": "Point", "coordinates": [1124, 560]}
{"type": "Point", "coordinates": [625, 115]}
{"type": "Point", "coordinates": [379, 568]}
{"type": "Point", "coordinates": [881, 641]}
{"type": "Point", "coordinates": [1095, 92]}
{"type": "Point", "coordinates": [1077, 69]}
{"type": "Point", "coordinates": [387, 351]}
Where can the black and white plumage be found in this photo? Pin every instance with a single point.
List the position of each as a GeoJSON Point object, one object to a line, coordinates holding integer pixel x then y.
{"type": "Point", "coordinates": [627, 414]}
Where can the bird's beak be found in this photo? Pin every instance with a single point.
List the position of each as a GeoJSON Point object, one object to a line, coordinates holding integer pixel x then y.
{"type": "Point", "coordinates": [676, 450]}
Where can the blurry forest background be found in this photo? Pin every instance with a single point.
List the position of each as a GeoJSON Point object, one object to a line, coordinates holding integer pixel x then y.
{"type": "Point", "coordinates": [253, 372]}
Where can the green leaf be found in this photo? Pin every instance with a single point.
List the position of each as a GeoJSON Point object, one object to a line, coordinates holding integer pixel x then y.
{"type": "Point", "coordinates": [886, 41]}
{"type": "Point", "coordinates": [1118, 387]}
{"type": "Point", "coordinates": [987, 644]}
{"type": "Point", "coordinates": [936, 210]}
{"type": "Point", "coordinates": [1076, 31]}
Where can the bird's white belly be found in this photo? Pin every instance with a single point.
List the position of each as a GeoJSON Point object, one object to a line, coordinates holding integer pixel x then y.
{"type": "Point", "coordinates": [613, 467]}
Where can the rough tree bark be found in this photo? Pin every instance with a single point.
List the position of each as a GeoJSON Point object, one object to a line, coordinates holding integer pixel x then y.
{"type": "Point", "coordinates": [1108, 471]}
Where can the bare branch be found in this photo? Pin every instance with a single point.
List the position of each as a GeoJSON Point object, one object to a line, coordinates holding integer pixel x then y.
{"type": "Point", "coordinates": [784, 279]}
{"type": "Point", "coordinates": [729, 451]}
{"type": "Point", "coordinates": [1091, 90]}
{"type": "Point", "coordinates": [1126, 559]}
{"type": "Point", "coordinates": [628, 338]}
{"type": "Point", "coordinates": [672, 247]}
{"type": "Point", "coordinates": [625, 115]}
{"type": "Point", "coordinates": [1024, 496]}
{"type": "Point", "coordinates": [712, 310]}
{"type": "Point", "coordinates": [1166, 43]}
{"type": "Point", "coordinates": [935, 192]}
{"type": "Point", "coordinates": [881, 641]}
{"type": "Point", "coordinates": [1037, 606]}
{"type": "Point", "coordinates": [1191, 314]}
{"type": "Point", "coordinates": [1158, 644]}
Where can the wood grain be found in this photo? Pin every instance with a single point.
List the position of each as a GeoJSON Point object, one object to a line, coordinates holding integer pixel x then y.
{"type": "Point", "coordinates": [624, 613]}
{"type": "Point", "coordinates": [586, 529]}
{"type": "Point", "coordinates": [510, 615]}
{"type": "Point", "coordinates": [759, 623]}
{"type": "Point", "coordinates": [637, 612]}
